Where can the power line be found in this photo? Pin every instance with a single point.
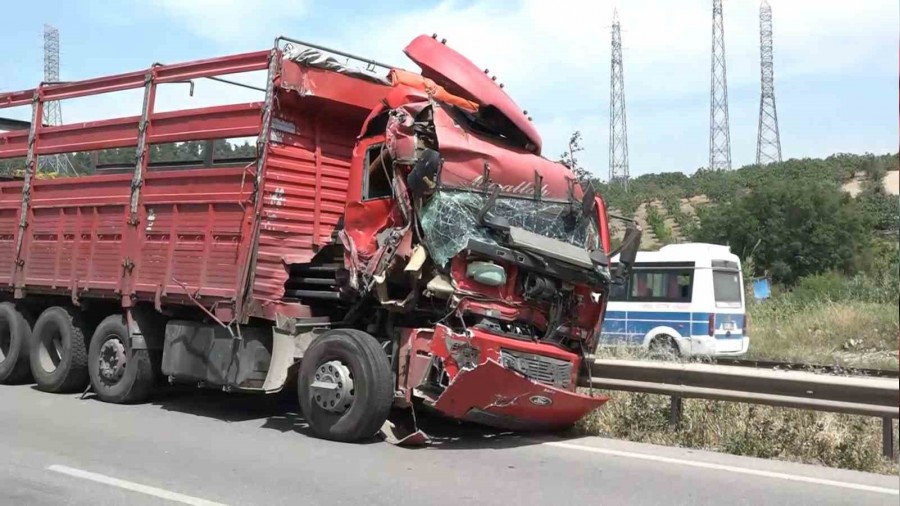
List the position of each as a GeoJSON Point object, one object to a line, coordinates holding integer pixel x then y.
{"type": "Point", "coordinates": [719, 135]}
{"type": "Point", "coordinates": [768, 140]}
{"type": "Point", "coordinates": [618, 128]}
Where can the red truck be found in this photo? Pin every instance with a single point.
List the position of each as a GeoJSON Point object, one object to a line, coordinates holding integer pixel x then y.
{"type": "Point", "coordinates": [396, 241]}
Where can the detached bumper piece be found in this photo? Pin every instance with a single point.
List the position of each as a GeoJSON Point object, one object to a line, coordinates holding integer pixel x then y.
{"type": "Point", "coordinates": [492, 395]}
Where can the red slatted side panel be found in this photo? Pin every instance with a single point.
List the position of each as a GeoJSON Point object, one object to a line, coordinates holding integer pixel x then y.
{"type": "Point", "coordinates": [10, 202]}
{"type": "Point", "coordinates": [75, 233]}
{"type": "Point", "coordinates": [305, 193]}
{"type": "Point", "coordinates": [192, 230]}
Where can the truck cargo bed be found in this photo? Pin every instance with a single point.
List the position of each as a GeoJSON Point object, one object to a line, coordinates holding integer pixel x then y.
{"type": "Point", "coordinates": [219, 235]}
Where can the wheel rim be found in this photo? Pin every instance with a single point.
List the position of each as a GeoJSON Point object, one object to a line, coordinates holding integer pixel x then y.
{"type": "Point", "coordinates": [112, 360]}
{"type": "Point", "coordinates": [5, 340]}
{"type": "Point", "coordinates": [332, 389]}
{"type": "Point", "coordinates": [50, 350]}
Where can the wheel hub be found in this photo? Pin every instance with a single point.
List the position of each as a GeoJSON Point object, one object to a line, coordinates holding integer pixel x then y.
{"type": "Point", "coordinates": [332, 388]}
{"type": "Point", "coordinates": [112, 360]}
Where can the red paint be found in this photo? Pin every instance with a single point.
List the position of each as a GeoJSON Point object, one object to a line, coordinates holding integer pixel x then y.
{"type": "Point", "coordinates": [465, 154]}
{"type": "Point", "coordinates": [603, 220]}
{"type": "Point", "coordinates": [488, 386]}
{"type": "Point", "coordinates": [461, 77]}
{"type": "Point", "coordinates": [516, 402]}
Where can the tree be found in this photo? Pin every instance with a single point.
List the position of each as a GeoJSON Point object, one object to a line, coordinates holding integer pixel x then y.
{"type": "Point", "coordinates": [569, 159]}
{"type": "Point", "coordinates": [790, 230]}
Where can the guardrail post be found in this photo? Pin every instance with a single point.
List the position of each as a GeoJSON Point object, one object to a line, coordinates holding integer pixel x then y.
{"type": "Point", "coordinates": [675, 410]}
{"type": "Point", "coordinates": [887, 437]}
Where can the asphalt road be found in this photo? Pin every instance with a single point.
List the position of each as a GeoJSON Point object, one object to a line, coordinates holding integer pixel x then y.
{"type": "Point", "coordinates": [208, 448]}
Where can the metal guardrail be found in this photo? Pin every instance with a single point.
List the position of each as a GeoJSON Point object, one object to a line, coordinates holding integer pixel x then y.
{"type": "Point", "coordinates": [860, 395]}
{"type": "Point", "coordinates": [817, 368]}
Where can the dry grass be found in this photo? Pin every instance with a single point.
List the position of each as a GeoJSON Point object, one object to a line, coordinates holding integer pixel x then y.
{"type": "Point", "coordinates": [845, 441]}
{"type": "Point", "coordinates": [849, 334]}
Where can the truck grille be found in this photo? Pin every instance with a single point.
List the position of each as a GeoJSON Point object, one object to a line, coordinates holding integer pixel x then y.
{"type": "Point", "coordinates": [547, 370]}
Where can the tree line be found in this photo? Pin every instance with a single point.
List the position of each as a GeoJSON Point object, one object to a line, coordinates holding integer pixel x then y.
{"type": "Point", "coordinates": [88, 162]}
{"type": "Point", "coordinates": [787, 220]}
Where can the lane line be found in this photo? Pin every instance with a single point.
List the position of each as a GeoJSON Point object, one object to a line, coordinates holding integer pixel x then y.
{"type": "Point", "coordinates": [134, 487]}
{"type": "Point", "coordinates": [724, 467]}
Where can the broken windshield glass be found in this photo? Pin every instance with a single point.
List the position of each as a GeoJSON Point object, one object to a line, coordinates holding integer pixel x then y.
{"type": "Point", "coordinates": [449, 221]}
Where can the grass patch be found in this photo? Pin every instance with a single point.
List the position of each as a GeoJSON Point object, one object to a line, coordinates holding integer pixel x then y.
{"type": "Point", "coordinates": [785, 328]}
{"type": "Point", "coordinates": [853, 334]}
{"type": "Point", "coordinates": [834, 440]}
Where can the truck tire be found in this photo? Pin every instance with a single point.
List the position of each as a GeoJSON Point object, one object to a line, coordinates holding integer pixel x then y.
{"type": "Point", "coordinates": [119, 374]}
{"type": "Point", "coordinates": [58, 352]}
{"type": "Point", "coordinates": [15, 336]}
{"type": "Point", "coordinates": [345, 385]}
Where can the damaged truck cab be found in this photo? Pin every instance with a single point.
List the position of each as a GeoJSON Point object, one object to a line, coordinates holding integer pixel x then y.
{"type": "Point", "coordinates": [479, 266]}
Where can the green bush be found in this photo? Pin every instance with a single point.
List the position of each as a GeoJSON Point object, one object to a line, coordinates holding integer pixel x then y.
{"type": "Point", "coordinates": [791, 230]}
{"type": "Point", "coordinates": [835, 287]}
{"type": "Point", "coordinates": [658, 224]}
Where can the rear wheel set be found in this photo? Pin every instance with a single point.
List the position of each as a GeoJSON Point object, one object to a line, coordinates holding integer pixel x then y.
{"type": "Point", "coordinates": [118, 373]}
{"type": "Point", "coordinates": [15, 336]}
{"type": "Point", "coordinates": [64, 361]}
{"type": "Point", "coordinates": [58, 351]}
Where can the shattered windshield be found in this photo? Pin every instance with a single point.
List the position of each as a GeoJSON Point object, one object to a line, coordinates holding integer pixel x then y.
{"type": "Point", "coordinates": [449, 221]}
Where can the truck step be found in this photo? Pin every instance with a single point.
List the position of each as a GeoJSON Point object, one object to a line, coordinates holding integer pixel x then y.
{"type": "Point", "coordinates": [313, 294]}
{"type": "Point", "coordinates": [301, 269]}
{"type": "Point", "coordinates": [293, 282]}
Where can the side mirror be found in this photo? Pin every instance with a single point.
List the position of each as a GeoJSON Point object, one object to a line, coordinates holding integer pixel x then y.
{"type": "Point", "coordinates": [628, 252]}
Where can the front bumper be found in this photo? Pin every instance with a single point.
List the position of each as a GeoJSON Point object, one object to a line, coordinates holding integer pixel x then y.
{"type": "Point", "coordinates": [493, 395]}
{"type": "Point", "coordinates": [476, 384]}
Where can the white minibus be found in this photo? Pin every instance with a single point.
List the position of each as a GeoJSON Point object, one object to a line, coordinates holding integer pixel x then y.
{"type": "Point", "coordinates": [686, 299]}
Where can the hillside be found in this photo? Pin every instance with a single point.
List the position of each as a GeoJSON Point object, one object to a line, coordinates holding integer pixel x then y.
{"type": "Point", "coordinates": [666, 205]}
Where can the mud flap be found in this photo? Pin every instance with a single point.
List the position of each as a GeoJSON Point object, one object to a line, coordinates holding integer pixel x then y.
{"type": "Point", "coordinates": [282, 359]}
{"type": "Point", "coordinates": [512, 401]}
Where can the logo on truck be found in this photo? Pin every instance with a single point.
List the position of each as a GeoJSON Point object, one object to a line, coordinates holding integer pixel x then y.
{"type": "Point", "coordinates": [540, 400]}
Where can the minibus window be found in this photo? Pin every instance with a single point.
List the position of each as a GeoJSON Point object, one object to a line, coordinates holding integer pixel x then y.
{"type": "Point", "coordinates": [661, 285]}
{"type": "Point", "coordinates": [727, 286]}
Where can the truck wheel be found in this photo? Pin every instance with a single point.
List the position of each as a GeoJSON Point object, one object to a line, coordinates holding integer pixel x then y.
{"type": "Point", "coordinates": [15, 335]}
{"type": "Point", "coordinates": [345, 385]}
{"type": "Point", "coordinates": [118, 374]}
{"type": "Point", "coordinates": [58, 354]}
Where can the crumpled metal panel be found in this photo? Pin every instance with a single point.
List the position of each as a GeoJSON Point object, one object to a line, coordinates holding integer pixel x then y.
{"type": "Point", "coordinates": [461, 77]}
{"type": "Point", "coordinates": [466, 154]}
{"type": "Point", "coordinates": [513, 401]}
{"type": "Point", "coordinates": [316, 58]}
{"type": "Point", "coordinates": [304, 196]}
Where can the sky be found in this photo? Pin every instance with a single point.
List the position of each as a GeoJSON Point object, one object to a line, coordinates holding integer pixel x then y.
{"type": "Point", "coordinates": [836, 62]}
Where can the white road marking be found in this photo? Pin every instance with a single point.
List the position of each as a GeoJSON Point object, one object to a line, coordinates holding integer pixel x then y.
{"type": "Point", "coordinates": [134, 487]}
{"type": "Point", "coordinates": [723, 467]}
